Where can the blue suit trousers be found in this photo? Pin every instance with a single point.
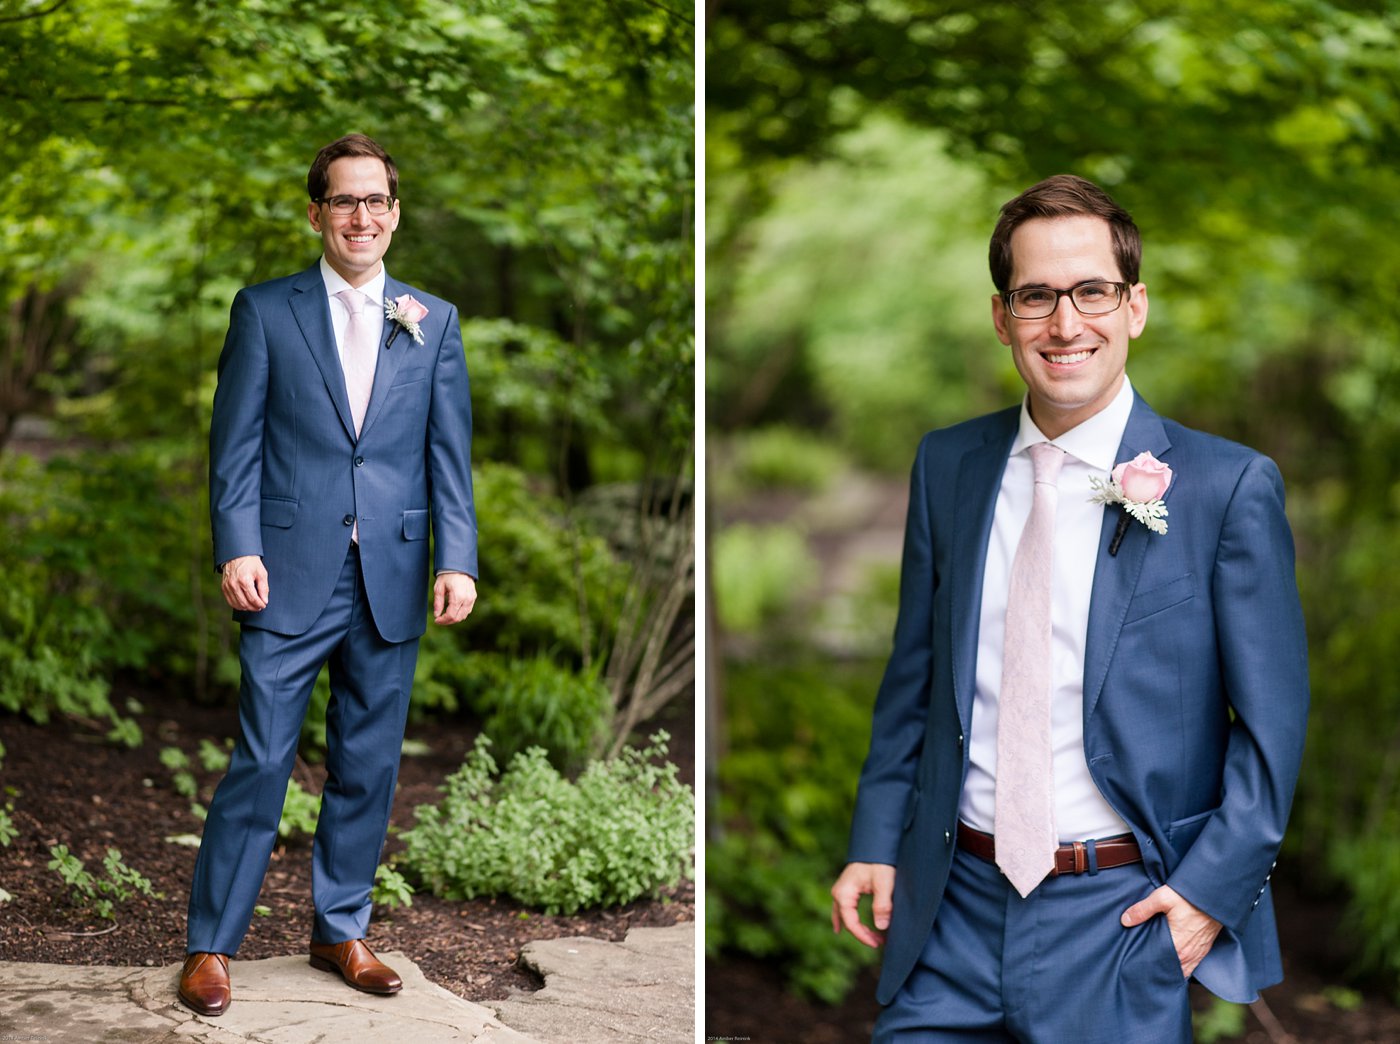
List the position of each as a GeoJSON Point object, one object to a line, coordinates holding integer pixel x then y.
{"type": "Point", "coordinates": [371, 681]}
{"type": "Point", "coordinates": [1057, 966]}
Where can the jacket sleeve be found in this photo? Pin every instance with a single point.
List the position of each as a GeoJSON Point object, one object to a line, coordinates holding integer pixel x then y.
{"type": "Point", "coordinates": [448, 454]}
{"type": "Point", "coordinates": [236, 435]}
{"type": "Point", "coordinates": [1263, 660]}
{"type": "Point", "coordinates": [901, 707]}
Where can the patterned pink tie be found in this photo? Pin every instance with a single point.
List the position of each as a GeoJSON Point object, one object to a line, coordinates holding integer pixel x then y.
{"type": "Point", "coordinates": [1025, 809]}
{"type": "Point", "coordinates": [359, 352]}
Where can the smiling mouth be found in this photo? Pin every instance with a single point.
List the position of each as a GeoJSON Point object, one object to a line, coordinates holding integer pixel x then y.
{"type": "Point", "coordinates": [360, 238]}
{"type": "Point", "coordinates": [1067, 358]}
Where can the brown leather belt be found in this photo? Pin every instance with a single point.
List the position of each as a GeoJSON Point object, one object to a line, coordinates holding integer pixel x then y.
{"type": "Point", "coordinates": [1069, 859]}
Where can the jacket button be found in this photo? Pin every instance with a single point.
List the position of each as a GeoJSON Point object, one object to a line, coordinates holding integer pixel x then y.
{"type": "Point", "coordinates": [349, 520]}
{"type": "Point", "coordinates": [359, 462]}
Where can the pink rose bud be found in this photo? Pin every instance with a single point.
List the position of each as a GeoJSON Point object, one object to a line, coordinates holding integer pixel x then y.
{"type": "Point", "coordinates": [1143, 478]}
{"type": "Point", "coordinates": [411, 308]}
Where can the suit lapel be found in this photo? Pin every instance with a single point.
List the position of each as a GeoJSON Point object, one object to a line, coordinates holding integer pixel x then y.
{"type": "Point", "coordinates": [312, 311]}
{"type": "Point", "coordinates": [390, 359]}
{"type": "Point", "coordinates": [1116, 577]}
{"type": "Point", "coordinates": [979, 480]}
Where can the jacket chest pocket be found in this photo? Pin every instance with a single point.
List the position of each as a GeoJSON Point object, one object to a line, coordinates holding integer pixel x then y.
{"type": "Point", "coordinates": [1160, 598]}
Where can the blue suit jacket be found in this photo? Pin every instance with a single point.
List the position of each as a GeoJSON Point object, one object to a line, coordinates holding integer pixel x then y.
{"type": "Point", "coordinates": [1195, 686]}
{"type": "Point", "coordinates": [287, 475]}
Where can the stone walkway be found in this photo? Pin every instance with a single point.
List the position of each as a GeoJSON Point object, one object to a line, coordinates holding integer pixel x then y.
{"type": "Point", "coordinates": [642, 989]}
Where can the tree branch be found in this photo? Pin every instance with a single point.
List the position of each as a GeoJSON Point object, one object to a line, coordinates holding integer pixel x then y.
{"type": "Point", "coordinates": [673, 13]}
{"type": "Point", "coordinates": [34, 14]}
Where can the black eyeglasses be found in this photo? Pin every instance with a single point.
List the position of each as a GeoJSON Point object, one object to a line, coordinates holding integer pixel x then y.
{"type": "Point", "coordinates": [377, 205]}
{"type": "Point", "coordinates": [1039, 302]}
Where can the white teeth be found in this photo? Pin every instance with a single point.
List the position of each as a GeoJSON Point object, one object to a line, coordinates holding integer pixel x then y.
{"type": "Point", "coordinates": [1072, 358]}
{"type": "Point", "coordinates": [360, 239]}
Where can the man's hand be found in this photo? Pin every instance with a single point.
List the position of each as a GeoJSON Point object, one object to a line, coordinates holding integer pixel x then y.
{"type": "Point", "coordinates": [454, 594]}
{"type": "Point", "coordinates": [245, 583]}
{"type": "Point", "coordinates": [1193, 931]}
{"type": "Point", "coordinates": [858, 879]}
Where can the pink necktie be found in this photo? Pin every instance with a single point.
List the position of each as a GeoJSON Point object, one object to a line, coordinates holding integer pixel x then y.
{"type": "Point", "coordinates": [1025, 809]}
{"type": "Point", "coordinates": [359, 351]}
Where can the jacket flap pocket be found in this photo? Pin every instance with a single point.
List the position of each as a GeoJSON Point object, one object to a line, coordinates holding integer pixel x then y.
{"type": "Point", "coordinates": [279, 511]}
{"type": "Point", "coordinates": [1182, 833]}
{"type": "Point", "coordinates": [415, 524]}
{"type": "Point", "coordinates": [1164, 596]}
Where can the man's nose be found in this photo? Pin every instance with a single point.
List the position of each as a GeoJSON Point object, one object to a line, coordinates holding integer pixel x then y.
{"type": "Point", "coordinates": [1065, 320]}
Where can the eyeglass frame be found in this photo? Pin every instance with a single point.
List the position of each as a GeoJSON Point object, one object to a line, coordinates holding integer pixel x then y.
{"type": "Point", "coordinates": [1124, 292]}
{"type": "Point", "coordinates": [327, 200]}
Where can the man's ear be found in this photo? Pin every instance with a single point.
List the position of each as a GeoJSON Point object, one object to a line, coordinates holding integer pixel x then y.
{"type": "Point", "coordinates": [313, 214]}
{"type": "Point", "coordinates": [1001, 319]}
{"type": "Point", "coordinates": [1137, 309]}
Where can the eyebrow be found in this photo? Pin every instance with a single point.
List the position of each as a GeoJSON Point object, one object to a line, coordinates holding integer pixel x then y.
{"type": "Point", "coordinates": [1047, 286]}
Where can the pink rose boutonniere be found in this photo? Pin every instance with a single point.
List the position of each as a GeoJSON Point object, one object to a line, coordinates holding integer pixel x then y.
{"type": "Point", "coordinates": [408, 312]}
{"type": "Point", "coordinates": [1137, 486]}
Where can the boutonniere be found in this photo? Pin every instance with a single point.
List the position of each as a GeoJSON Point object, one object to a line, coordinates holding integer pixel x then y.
{"type": "Point", "coordinates": [408, 312]}
{"type": "Point", "coordinates": [1137, 486]}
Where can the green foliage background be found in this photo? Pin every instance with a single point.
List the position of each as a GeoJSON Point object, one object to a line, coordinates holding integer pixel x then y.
{"type": "Point", "coordinates": [154, 158]}
{"type": "Point", "coordinates": [856, 156]}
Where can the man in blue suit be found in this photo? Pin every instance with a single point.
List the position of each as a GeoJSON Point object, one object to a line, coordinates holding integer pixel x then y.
{"type": "Point", "coordinates": [1061, 821]}
{"type": "Point", "coordinates": [339, 434]}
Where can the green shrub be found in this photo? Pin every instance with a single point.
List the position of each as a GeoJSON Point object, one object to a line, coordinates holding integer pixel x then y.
{"type": "Point", "coordinates": [52, 632]}
{"type": "Point", "coordinates": [782, 457]}
{"type": "Point", "coordinates": [758, 573]}
{"type": "Point", "coordinates": [625, 829]}
{"type": "Point", "coordinates": [536, 703]}
{"type": "Point", "coordinates": [786, 791]}
{"type": "Point", "coordinates": [99, 566]}
{"type": "Point", "coordinates": [534, 559]}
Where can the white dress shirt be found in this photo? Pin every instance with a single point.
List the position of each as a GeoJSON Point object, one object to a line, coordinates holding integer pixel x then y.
{"type": "Point", "coordinates": [340, 316]}
{"type": "Point", "coordinates": [1081, 812]}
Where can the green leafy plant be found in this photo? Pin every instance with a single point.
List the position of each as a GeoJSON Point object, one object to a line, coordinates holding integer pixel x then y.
{"type": "Point", "coordinates": [300, 811]}
{"type": "Point", "coordinates": [786, 795]}
{"type": "Point", "coordinates": [625, 829]}
{"type": "Point", "coordinates": [758, 572]}
{"type": "Point", "coordinates": [1219, 1021]}
{"type": "Point", "coordinates": [8, 831]}
{"type": "Point", "coordinates": [181, 778]}
{"type": "Point", "coordinates": [212, 757]}
{"type": "Point", "coordinates": [390, 888]}
{"type": "Point", "coordinates": [534, 702]}
{"type": "Point", "coordinates": [99, 894]}
{"type": "Point", "coordinates": [783, 457]}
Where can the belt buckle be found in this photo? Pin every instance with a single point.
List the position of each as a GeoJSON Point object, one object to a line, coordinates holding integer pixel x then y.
{"type": "Point", "coordinates": [1081, 857]}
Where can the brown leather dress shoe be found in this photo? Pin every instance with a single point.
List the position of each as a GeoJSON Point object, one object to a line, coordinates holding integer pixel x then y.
{"type": "Point", "coordinates": [357, 965]}
{"type": "Point", "coordinates": [204, 984]}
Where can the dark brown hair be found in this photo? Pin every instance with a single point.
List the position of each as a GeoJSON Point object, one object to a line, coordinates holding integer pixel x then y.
{"type": "Point", "coordinates": [318, 177]}
{"type": "Point", "coordinates": [1065, 195]}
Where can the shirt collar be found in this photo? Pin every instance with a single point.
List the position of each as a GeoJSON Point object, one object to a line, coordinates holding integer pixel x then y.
{"type": "Point", "coordinates": [335, 283]}
{"type": "Point", "coordinates": [1094, 441]}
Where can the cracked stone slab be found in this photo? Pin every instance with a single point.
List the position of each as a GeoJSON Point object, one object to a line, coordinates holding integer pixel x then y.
{"type": "Point", "coordinates": [641, 989]}
{"type": "Point", "coordinates": [281, 1000]}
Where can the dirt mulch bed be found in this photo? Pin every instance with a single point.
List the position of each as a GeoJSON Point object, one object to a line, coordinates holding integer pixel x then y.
{"type": "Point", "coordinates": [69, 786]}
